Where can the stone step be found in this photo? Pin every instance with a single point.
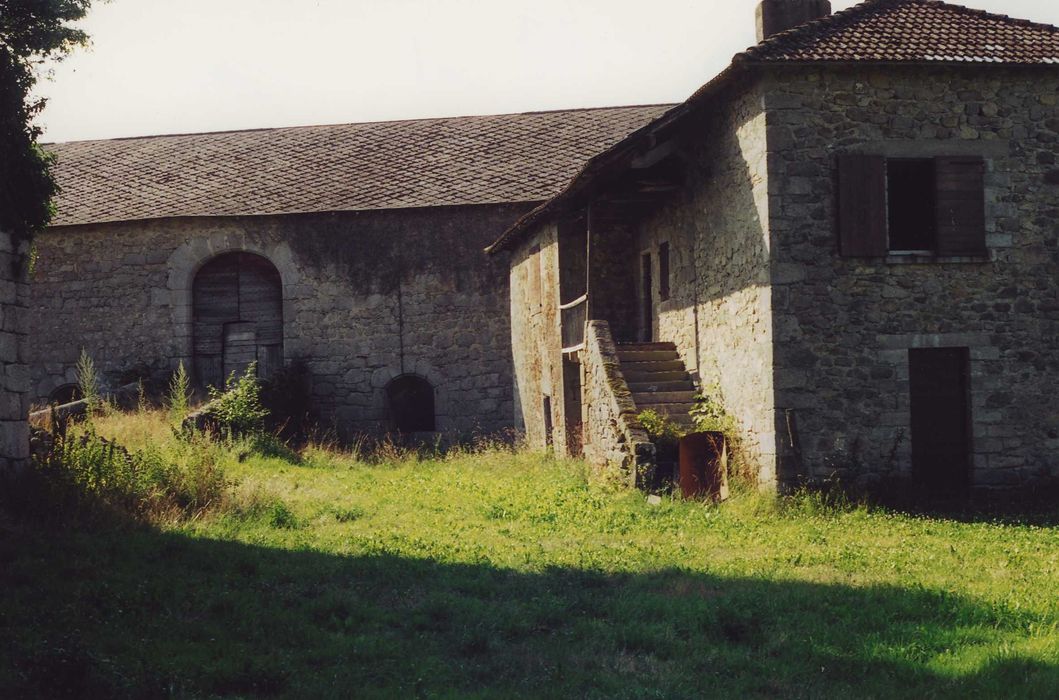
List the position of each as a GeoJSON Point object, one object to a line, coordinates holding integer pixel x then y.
{"type": "Point", "coordinates": [682, 419]}
{"type": "Point", "coordinates": [633, 376]}
{"type": "Point", "coordinates": [647, 355]}
{"type": "Point", "coordinates": [668, 408]}
{"type": "Point", "coordinates": [645, 387]}
{"type": "Point", "coordinates": [646, 346]}
{"type": "Point", "coordinates": [649, 397]}
{"type": "Point", "coordinates": [651, 366]}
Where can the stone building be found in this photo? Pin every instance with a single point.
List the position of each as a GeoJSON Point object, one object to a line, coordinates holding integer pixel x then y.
{"type": "Point", "coordinates": [851, 231]}
{"type": "Point", "coordinates": [354, 249]}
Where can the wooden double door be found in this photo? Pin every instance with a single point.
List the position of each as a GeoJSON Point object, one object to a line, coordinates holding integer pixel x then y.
{"type": "Point", "coordinates": [237, 301]}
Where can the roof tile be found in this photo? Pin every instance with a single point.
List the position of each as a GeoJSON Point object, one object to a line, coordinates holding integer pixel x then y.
{"type": "Point", "coordinates": [349, 167]}
{"type": "Point", "coordinates": [913, 31]}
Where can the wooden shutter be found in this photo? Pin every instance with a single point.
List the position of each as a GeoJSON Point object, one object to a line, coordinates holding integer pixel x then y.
{"type": "Point", "coordinates": [961, 205]}
{"type": "Point", "coordinates": [862, 205]}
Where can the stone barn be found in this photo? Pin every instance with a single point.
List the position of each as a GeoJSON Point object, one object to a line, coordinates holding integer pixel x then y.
{"type": "Point", "coordinates": [354, 250]}
{"type": "Point", "coordinates": [851, 231]}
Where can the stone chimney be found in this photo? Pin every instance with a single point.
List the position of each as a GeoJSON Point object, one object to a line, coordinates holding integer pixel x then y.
{"type": "Point", "coordinates": [775, 16]}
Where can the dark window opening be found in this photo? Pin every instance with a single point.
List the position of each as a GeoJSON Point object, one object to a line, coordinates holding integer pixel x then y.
{"type": "Point", "coordinates": [411, 400]}
{"type": "Point", "coordinates": [941, 418]}
{"type": "Point", "coordinates": [573, 259]}
{"type": "Point", "coordinates": [67, 393]}
{"type": "Point", "coordinates": [923, 205]}
{"type": "Point", "coordinates": [547, 409]}
{"type": "Point", "coordinates": [663, 271]}
{"type": "Point", "coordinates": [911, 203]}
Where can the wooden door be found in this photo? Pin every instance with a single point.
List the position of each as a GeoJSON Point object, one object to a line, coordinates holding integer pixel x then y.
{"type": "Point", "coordinates": [939, 380]}
{"type": "Point", "coordinates": [240, 347]}
{"type": "Point", "coordinates": [237, 307]}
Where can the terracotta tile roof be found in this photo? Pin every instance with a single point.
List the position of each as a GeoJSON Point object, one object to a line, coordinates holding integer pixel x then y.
{"type": "Point", "coordinates": [913, 30]}
{"type": "Point", "coordinates": [377, 165]}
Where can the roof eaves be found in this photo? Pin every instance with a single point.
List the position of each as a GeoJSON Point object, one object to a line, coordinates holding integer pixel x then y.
{"type": "Point", "coordinates": [599, 163]}
{"type": "Point", "coordinates": [295, 212]}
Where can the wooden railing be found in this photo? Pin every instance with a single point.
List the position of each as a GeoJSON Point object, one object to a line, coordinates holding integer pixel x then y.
{"type": "Point", "coordinates": [574, 315]}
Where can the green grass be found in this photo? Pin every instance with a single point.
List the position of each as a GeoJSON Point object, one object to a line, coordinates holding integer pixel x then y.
{"type": "Point", "coordinates": [513, 575]}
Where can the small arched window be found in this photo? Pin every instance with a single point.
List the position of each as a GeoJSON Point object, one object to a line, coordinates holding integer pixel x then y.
{"type": "Point", "coordinates": [67, 393]}
{"type": "Point", "coordinates": [411, 404]}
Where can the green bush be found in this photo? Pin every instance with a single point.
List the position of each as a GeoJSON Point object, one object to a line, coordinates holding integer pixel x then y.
{"type": "Point", "coordinates": [238, 410]}
{"type": "Point", "coordinates": [709, 414]}
{"type": "Point", "coordinates": [659, 428]}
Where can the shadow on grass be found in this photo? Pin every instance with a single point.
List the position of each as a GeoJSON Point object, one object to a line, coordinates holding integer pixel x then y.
{"type": "Point", "coordinates": [147, 614]}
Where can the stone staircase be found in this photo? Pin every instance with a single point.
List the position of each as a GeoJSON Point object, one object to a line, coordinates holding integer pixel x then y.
{"type": "Point", "coordinates": [658, 379]}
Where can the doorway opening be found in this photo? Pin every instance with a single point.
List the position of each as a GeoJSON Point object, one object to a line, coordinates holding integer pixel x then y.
{"type": "Point", "coordinates": [572, 406]}
{"type": "Point", "coordinates": [647, 328]}
{"type": "Point", "coordinates": [411, 404]}
{"type": "Point", "coordinates": [939, 385]}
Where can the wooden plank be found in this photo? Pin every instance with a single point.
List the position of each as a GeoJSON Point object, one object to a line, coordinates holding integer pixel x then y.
{"type": "Point", "coordinates": [862, 205]}
{"type": "Point", "coordinates": [215, 295]}
{"type": "Point", "coordinates": [961, 205]}
{"type": "Point", "coordinates": [240, 347]}
{"type": "Point", "coordinates": [269, 360]}
{"type": "Point", "coordinates": [209, 370]}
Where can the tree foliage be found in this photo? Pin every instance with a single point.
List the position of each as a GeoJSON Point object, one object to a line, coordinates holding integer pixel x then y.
{"type": "Point", "coordinates": [31, 31]}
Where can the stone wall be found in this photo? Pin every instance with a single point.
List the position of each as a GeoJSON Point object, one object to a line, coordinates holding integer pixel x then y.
{"type": "Point", "coordinates": [367, 296]}
{"type": "Point", "coordinates": [536, 337]}
{"type": "Point", "coordinates": [719, 310]}
{"type": "Point", "coordinates": [14, 380]}
{"type": "Point", "coordinates": [613, 436]}
{"type": "Point", "coordinates": [843, 326]}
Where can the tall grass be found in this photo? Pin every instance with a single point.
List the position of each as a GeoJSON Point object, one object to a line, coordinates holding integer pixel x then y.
{"type": "Point", "coordinates": [82, 476]}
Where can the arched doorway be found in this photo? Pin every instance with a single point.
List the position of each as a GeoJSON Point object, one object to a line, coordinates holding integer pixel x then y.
{"type": "Point", "coordinates": [411, 404]}
{"type": "Point", "coordinates": [237, 312]}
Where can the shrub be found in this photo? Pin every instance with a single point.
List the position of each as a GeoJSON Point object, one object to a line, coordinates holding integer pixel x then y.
{"type": "Point", "coordinates": [709, 414]}
{"type": "Point", "coordinates": [178, 397]}
{"type": "Point", "coordinates": [659, 428]}
{"type": "Point", "coordinates": [237, 410]}
{"type": "Point", "coordinates": [88, 381]}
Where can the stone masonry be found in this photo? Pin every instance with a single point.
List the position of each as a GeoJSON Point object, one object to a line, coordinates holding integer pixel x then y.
{"type": "Point", "coordinates": [810, 349]}
{"type": "Point", "coordinates": [613, 436]}
{"type": "Point", "coordinates": [719, 313]}
{"type": "Point", "coordinates": [366, 297]}
{"type": "Point", "coordinates": [844, 326]}
{"type": "Point", "coordinates": [14, 380]}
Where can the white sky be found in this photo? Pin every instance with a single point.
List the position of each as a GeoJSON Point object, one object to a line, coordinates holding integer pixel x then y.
{"type": "Point", "coordinates": [168, 66]}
